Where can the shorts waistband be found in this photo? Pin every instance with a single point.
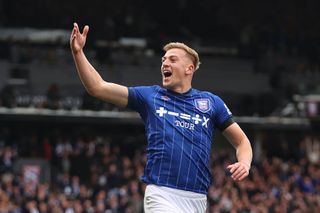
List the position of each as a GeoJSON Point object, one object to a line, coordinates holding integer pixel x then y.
{"type": "Point", "coordinates": [179, 192]}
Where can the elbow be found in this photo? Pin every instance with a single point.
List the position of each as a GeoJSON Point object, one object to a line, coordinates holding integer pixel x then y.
{"type": "Point", "coordinates": [93, 91]}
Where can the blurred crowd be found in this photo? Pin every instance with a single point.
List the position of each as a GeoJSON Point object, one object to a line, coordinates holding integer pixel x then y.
{"type": "Point", "coordinates": [278, 22]}
{"type": "Point", "coordinates": [87, 175]}
{"type": "Point", "coordinates": [100, 174]}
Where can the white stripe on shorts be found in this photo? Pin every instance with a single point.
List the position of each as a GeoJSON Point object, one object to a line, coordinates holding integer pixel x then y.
{"type": "Point", "coordinates": [160, 199]}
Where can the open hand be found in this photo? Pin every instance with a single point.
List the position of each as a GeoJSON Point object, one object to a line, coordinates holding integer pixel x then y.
{"type": "Point", "coordinates": [238, 170]}
{"type": "Point", "coordinates": [77, 39]}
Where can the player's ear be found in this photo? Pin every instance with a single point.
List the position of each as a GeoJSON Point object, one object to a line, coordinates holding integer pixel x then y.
{"type": "Point", "coordinates": [190, 69]}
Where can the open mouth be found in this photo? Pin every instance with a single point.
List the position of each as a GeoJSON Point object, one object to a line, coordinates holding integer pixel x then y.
{"type": "Point", "coordinates": [167, 73]}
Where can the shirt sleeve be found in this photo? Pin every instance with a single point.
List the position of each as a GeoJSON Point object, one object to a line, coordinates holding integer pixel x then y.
{"type": "Point", "coordinates": [223, 116]}
{"type": "Point", "coordinates": [138, 97]}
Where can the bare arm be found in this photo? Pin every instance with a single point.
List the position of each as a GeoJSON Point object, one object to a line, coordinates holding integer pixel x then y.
{"type": "Point", "coordinates": [241, 143]}
{"type": "Point", "coordinates": [92, 81]}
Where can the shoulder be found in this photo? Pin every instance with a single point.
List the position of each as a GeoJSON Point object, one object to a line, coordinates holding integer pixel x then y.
{"type": "Point", "coordinates": [141, 94]}
{"type": "Point", "coordinates": [144, 92]}
{"type": "Point", "coordinates": [207, 94]}
{"type": "Point", "coordinates": [145, 88]}
{"type": "Point", "coordinates": [213, 100]}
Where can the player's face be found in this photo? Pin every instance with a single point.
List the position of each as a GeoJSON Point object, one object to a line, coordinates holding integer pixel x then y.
{"type": "Point", "coordinates": [174, 69]}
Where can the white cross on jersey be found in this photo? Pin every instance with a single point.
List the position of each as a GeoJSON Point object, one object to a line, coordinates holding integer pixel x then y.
{"type": "Point", "coordinates": [161, 111]}
{"type": "Point", "coordinates": [196, 119]}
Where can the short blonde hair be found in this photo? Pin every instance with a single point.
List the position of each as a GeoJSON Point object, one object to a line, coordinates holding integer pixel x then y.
{"type": "Point", "coordinates": [191, 52]}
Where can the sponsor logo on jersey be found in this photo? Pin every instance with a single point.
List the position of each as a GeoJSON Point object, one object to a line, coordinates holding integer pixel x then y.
{"type": "Point", "coordinates": [194, 119]}
{"type": "Point", "coordinates": [165, 98]}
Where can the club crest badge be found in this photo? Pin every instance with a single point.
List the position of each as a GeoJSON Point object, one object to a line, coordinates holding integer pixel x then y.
{"type": "Point", "coordinates": [202, 104]}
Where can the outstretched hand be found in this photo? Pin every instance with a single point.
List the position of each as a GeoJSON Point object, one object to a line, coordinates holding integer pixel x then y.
{"type": "Point", "coordinates": [238, 170]}
{"type": "Point", "coordinates": [77, 39]}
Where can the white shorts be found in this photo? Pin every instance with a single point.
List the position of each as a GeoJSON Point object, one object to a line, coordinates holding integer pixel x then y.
{"type": "Point", "coordinates": [159, 199]}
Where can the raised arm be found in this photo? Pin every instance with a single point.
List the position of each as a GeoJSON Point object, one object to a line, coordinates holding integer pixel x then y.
{"type": "Point", "coordinates": [241, 143]}
{"type": "Point", "coordinates": [110, 92]}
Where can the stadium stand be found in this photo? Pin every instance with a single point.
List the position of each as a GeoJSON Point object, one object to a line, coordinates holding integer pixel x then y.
{"type": "Point", "coordinates": [64, 151]}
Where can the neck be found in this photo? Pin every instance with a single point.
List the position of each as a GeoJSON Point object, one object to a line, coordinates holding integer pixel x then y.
{"type": "Point", "coordinates": [181, 90]}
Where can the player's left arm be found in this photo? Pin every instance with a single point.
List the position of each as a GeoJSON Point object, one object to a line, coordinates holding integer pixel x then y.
{"type": "Point", "coordinates": [235, 135]}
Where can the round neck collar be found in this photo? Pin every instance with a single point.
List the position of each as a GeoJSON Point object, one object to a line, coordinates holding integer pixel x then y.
{"type": "Point", "coordinates": [181, 94]}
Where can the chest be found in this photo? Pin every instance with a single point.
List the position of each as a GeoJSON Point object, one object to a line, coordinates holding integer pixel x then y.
{"type": "Point", "coordinates": [183, 112]}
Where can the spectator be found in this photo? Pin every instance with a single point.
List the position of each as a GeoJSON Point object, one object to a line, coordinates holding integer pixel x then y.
{"type": "Point", "coordinates": [275, 185]}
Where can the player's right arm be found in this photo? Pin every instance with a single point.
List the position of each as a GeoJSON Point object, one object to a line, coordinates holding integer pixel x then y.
{"type": "Point", "coordinates": [94, 84]}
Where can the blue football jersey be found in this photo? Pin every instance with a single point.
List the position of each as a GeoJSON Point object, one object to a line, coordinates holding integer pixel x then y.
{"type": "Point", "coordinates": [179, 130]}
